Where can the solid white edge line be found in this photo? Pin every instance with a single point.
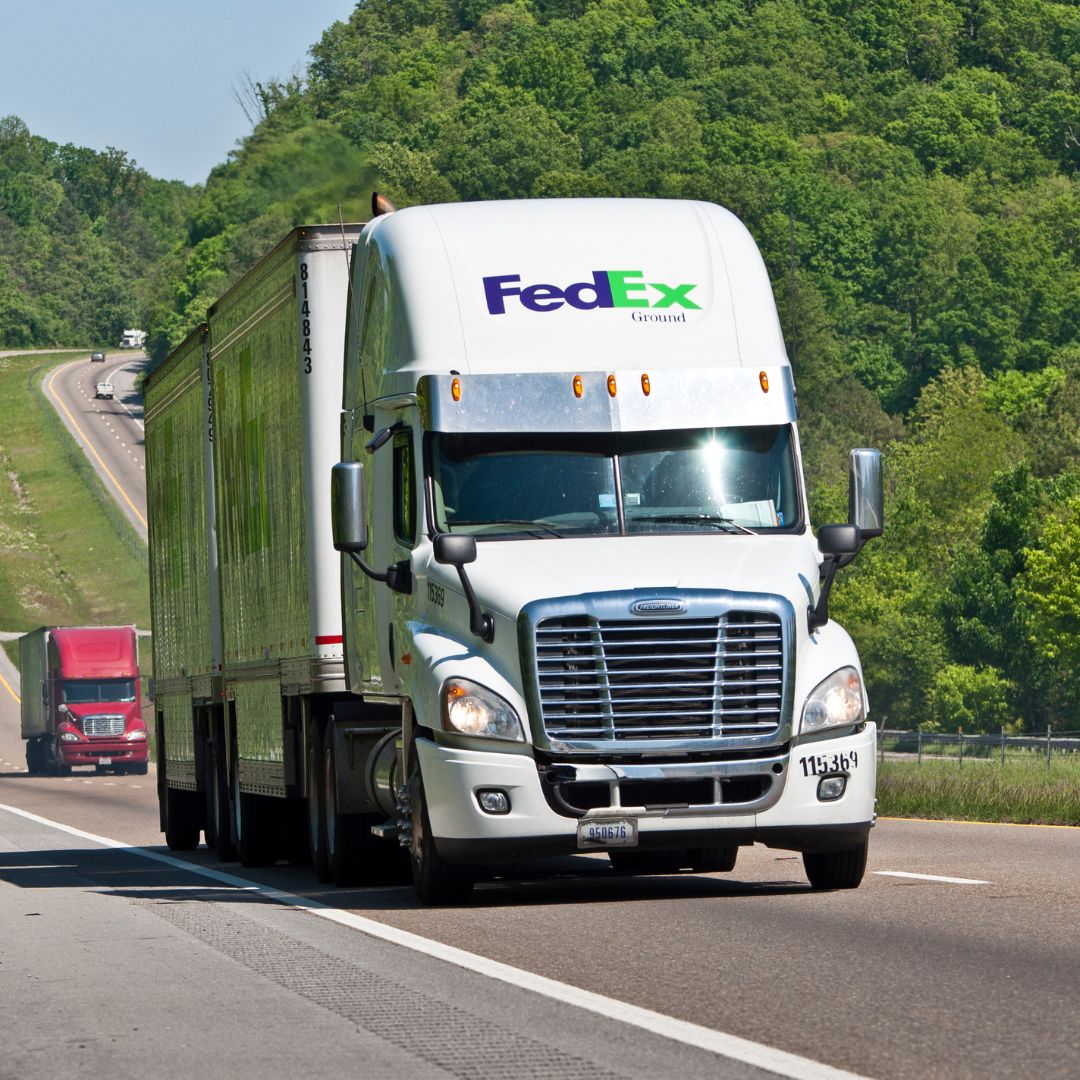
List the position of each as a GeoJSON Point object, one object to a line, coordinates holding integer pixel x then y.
{"type": "Point", "coordinates": [778, 1062]}
{"type": "Point", "coordinates": [931, 877]}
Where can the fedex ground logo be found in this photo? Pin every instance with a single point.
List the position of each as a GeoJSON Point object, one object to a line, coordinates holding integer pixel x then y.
{"type": "Point", "coordinates": [605, 289]}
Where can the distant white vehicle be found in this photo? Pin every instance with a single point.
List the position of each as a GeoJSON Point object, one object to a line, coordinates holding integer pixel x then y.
{"type": "Point", "coordinates": [104, 390]}
{"type": "Point", "coordinates": [133, 339]}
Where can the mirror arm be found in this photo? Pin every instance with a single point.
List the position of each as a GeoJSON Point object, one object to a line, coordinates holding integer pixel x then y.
{"type": "Point", "coordinates": [818, 615]}
{"type": "Point", "coordinates": [480, 623]}
{"type": "Point", "coordinates": [373, 574]}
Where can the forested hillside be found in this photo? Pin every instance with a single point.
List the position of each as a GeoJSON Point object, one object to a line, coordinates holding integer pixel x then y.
{"type": "Point", "coordinates": [81, 235]}
{"type": "Point", "coordinates": [909, 168]}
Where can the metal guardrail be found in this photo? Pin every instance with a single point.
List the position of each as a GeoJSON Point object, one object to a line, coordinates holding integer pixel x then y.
{"type": "Point", "coordinates": [961, 747]}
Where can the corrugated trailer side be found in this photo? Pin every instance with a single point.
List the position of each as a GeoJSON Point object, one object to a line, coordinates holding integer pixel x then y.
{"type": "Point", "coordinates": [275, 362]}
{"type": "Point", "coordinates": [185, 610]}
{"type": "Point", "coordinates": [33, 671]}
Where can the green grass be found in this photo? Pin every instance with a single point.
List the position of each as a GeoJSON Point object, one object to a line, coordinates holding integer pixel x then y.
{"type": "Point", "coordinates": [68, 555]}
{"type": "Point", "coordinates": [1022, 790]}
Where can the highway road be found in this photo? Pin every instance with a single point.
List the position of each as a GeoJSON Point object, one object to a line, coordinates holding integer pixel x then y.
{"type": "Point", "coordinates": [110, 432]}
{"type": "Point", "coordinates": [958, 957]}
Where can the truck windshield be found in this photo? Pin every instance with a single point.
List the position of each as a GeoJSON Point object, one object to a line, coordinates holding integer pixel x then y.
{"type": "Point", "coordinates": [723, 479]}
{"type": "Point", "coordinates": [92, 691]}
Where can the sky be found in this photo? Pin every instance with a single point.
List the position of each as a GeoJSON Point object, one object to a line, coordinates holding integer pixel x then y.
{"type": "Point", "coordinates": [154, 78]}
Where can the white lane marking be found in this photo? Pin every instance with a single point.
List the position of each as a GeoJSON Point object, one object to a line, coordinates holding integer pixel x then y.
{"type": "Point", "coordinates": [755, 1054]}
{"type": "Point", "coordinates": [932, 877]}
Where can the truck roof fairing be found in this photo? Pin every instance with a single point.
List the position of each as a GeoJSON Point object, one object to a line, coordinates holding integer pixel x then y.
{"type": "Point", "coordinates": [559, 284]}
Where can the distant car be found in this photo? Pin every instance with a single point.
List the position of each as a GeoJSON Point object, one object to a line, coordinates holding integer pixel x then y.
{"type": "Point", "coordinates": [104, 390]}
{"type": "Point", "coordinates": [97, 358]}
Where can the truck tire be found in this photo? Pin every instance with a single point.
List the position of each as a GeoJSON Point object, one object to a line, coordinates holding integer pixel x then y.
{"type": "Point", "coordinates": [719, 859]}
{"type": "Point", "coordinates": [218, 807]}
{"type": "Point", "coordinates": [254, 825]}
{"type": "Point", "coordinates": [316, 807]}
{"type": "Point", "coordinates": [36, 757]}
{"type": "Point", "coordinates": [648, 862]}
{"type": "Point", "coordinates": [53, 765]}
{"type": "Point", "coordinates": [342, 831]}
{"type": "Point", "coordinates": [183, 819]}
{"type": "Point", "coordinates": [436, 881]}
{"type": "Point", "coordinates": [836, 869]}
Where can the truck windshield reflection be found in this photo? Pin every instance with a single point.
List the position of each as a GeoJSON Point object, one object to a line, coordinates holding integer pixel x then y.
{"type": "Point", "coordinates": [723, 479]}
{"type": "Point", "coordinates": [93, 691]}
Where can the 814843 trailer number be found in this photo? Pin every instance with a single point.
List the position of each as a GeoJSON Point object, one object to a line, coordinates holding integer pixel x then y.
{"type": "Point", "coordinates": [823, 764]}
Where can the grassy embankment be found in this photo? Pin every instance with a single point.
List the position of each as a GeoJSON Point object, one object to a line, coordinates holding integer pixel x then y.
{"type": "Point", "coordinates": [1023, 791]}
{"type": "Point", "coordinates": [67, 554]}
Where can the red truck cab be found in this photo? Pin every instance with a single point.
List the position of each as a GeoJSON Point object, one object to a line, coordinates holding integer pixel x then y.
{"type": "Point", "coordinates": [81, 703]}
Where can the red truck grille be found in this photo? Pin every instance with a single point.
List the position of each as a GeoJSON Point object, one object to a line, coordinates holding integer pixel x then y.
{"type": "Point", "coordinates": [103, 725]}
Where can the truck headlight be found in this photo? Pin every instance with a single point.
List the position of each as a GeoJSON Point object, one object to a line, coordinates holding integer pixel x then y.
{"type": "Point", "coordinates": [835, 702]}
{"type": "Point", "coordinates": [138, 735]}
{"type": "Point", "coordinates": [474, 710]}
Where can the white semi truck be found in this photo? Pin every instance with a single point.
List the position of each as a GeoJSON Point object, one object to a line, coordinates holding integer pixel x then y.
{"type": "Point", "coordinates": [580, 606]}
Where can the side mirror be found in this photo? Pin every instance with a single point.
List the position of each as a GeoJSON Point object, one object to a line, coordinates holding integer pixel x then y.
{"type": "Point", "coordinates": [838, 539]}
{"type": "Point", "coordinates": [458, 549]}
{"type": "Point", "coordinates": [866, 501]}
{"type": "Point", "coordinates": [454, 549]}
{"type": "Point", "coordinates": [347, 507]}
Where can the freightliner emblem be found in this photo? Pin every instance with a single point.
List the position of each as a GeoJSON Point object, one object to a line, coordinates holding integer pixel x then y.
{"type": "Point", "coordinates": [658, 607]}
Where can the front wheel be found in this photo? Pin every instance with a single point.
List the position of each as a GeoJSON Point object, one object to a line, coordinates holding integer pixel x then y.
{"type": "Point", "coordinates": [836, 869]}
{"type": "Point", "coordinates": [435, 880]}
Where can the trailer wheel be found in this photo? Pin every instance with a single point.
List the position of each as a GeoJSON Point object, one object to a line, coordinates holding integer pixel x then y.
{"type": "Point", "coordinates": [836, 869]}
{"type": "Point", "coordinates": [183, 820]}
{"type": "Point", "coordinates": [36, 757]}
{"type": "Point", "coordinates": [436, 881]}
{"type": "Point", "coordinates": [253, 824]}
{"type": "Point", "coordinates": [316, 807]}
{"type": "Point", "coordinates": [218, 813]}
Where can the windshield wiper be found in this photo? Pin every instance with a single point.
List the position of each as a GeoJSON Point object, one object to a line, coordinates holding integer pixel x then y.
{"type": "Point", "coordinates": [702, 519]}
{"type": "Point", "coordinates": [537, 526]}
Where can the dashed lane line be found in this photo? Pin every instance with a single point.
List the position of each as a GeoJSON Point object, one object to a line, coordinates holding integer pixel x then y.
{"type": "Point", "coordinates": [931, 877]}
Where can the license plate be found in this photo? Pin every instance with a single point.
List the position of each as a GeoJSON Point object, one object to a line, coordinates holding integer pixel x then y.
{"type": "Point", "coordinates": [104, 760]}
{"type": "Point", "coordinates": [607, 833]}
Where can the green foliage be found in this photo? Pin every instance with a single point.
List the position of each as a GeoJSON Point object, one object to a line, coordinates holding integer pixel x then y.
{"type": "Point", "coordinates": [79, 231]}
{"type": "Point", "coordinates": [969, 699]}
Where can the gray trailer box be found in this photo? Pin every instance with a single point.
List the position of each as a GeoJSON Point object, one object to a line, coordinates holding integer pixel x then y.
{"type": "Point", "coordinates": [34, 679]}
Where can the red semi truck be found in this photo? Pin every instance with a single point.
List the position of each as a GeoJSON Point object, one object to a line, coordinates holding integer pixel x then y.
{"type": "Point", "coordinates": [80, 699]}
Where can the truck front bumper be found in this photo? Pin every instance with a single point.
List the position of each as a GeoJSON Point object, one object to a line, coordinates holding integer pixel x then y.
{"type": "Point", "coordinates": [792, 815]}
{"type": "Point", "coordinates": [116, 751]}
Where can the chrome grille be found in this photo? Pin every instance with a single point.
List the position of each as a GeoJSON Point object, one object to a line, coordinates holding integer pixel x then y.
{"type": "Point", "coordinates": [103, 725]}
{"type": "Point", "coordinates": [629, 679]}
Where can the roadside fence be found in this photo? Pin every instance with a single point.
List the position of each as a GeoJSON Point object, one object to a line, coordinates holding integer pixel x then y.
{"type": "Point", "coordinates": [987, 748]}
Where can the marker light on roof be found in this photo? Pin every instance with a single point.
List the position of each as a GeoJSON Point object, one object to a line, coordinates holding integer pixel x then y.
{"type": "Point", "coordinates": [611, 388]}
{"type": "Point", "coordinates": [579, 387]}
{"type": "Point", "coordinates": [763, 378]}
{"type": "Point", "coordinates": [646, 386]}
{"type": "Point", "coordinates": [455, 389]}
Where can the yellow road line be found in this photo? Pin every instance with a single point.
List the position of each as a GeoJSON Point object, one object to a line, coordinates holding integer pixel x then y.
{"type": "Point", "coordinates": [7, 687]}
{"type": "Point", "coordinates": [961, 821]}
{"type": "Point", "coordinates": [90, 447]}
